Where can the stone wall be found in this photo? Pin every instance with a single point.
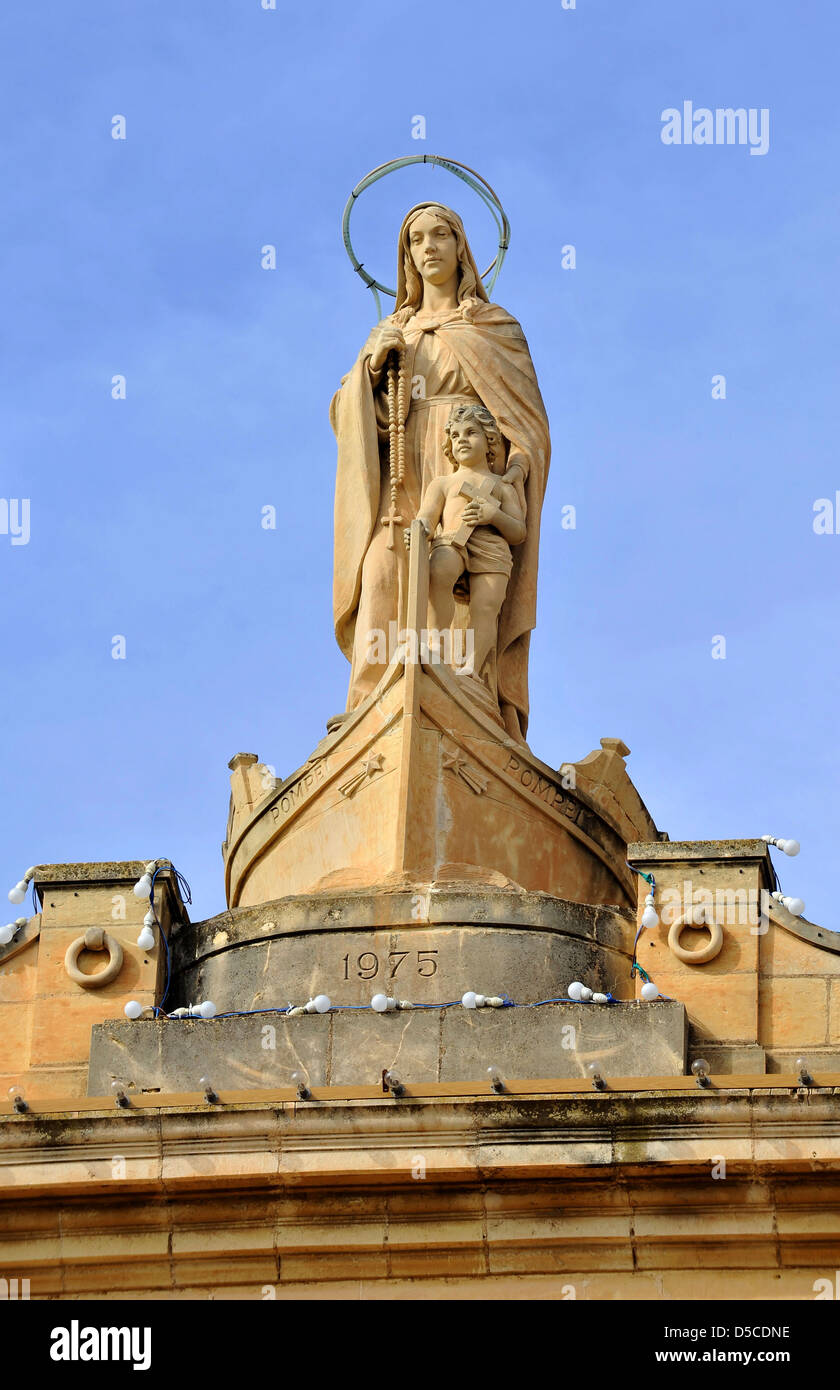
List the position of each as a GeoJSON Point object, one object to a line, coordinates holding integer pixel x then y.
{"type": "Point", "coordinates": [46, 1018]}
{"type": "Point", "coordinates": [647, 1193]}
{"type": "Point", "coordinates": [354, 1048]}
{"type": "Point", "coordinates": [772, 993]}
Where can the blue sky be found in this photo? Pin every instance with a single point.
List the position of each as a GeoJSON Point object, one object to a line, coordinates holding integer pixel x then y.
{"type": "Point", "coordinates": [142, 257]}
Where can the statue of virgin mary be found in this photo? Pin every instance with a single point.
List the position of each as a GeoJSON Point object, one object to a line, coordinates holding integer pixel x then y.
{"type": "Point", "coordinates": [455, 347]}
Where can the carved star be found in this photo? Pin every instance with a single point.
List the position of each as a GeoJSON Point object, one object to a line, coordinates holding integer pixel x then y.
{"type": "Point", "coordinates": [455, 762]}
{"type": "Point", "coordinates": [368, 769]}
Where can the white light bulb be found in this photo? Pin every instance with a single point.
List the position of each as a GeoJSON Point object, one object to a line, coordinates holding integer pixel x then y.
{"type": "Point", "coordinates": [795, 906]}
{"type": "Point", "coordinates": [146, 939]}
{"type": "Point", "coordinates": [585, 994]}
{"type": "Point", "coordinates": [480, 1001]}
{"type": "Point", "coordinates": [150, 920]}
{"type": "Point", "coordinates": [790, 847]}
{"type": "Point", "coordinates": [6, 934]}
{"type": "Point", "coordinates": [650, 917]}
{"type": "Point", "coordinates": [133, 1009]}
{"type": "Point", "coordinates": [18, 893]}
{"type": "Point", "coordinates": [207, 1009]}
{"type": "Point", "coordinates": [649, 991]}
{"type": "Point", "coordinates": [319, 1005]}
{"type": "Point", "coordinates": [574, 990]}
{"type": "Point", "coordinates": [16, 1096]}
{"type": "Point", "coordinates": [469, 999]}
{"type": "Point", "coordinates": [143, 886]}
{"type": "Point", "coordinates": [382, 1004]}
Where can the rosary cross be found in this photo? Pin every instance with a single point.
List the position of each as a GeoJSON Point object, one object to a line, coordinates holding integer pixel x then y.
{"type": "Point", "coordinates": [391, 520]}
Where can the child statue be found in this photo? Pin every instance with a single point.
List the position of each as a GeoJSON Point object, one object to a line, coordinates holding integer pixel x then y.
{"type": "Point", "coordinates": [480, 518]}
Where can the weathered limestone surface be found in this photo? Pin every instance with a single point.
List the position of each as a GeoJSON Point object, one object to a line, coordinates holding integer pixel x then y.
{"type": "Point", "coordinates": [338, 1049]}
{"type": "Point", "coordinates": [772, 993]}
{"type": "Point", "coordinates": [426, 945]}
{"type": "Point", "coordinates": [420, 784]}
{"type": "Point", "coordinates": [416, 786]}
{"type": "Point", "coordinates": [587, 1196]}
{"type": "Point", "coordinates": [46, 1018]}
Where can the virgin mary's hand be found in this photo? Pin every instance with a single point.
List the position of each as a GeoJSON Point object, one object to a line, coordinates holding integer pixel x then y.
{"type": "Point", "coordinates": [381, 341]}
{"type": "Point", "coordinates": [517, 471]}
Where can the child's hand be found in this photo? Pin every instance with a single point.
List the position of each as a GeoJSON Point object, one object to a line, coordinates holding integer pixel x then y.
{"type": "Point", "coordinates": [515, 474]}
{"type": "Point", "coordinates": [479, 512]}
{"type": "Point", "coordinates": [407, 532]}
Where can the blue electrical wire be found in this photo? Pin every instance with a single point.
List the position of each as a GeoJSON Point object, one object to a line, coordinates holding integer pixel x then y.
{"type": "Point", "coordinates": [448, 1004]}
{"type": "Point", "coordinates": [649, 879]}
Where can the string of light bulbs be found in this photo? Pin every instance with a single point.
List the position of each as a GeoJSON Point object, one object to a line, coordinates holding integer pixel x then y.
{"type": "Point", "coordinates": [795, 906]}
{"type": "Point", "coordinates": [577, 993]}
{"type": "Point", "coordinates": [145, 888]}
{"type": "Point", "coordinates": [650, 919]}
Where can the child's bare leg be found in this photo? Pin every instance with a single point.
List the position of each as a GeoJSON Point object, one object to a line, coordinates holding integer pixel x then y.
{"type": "Point", "coordinates": [487, 594]}
{"type": "Point", "coordinates": [445, 568]}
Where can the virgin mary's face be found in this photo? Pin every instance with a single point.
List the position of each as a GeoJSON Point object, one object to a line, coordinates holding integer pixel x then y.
{"type": "Point", "coordinates": [434, 249]}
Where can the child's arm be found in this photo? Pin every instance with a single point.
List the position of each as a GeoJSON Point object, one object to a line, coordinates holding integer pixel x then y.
{"type": "Point", "coordinates": [507, 518]}
{"type": "Point", "coordinates": [431, 508]}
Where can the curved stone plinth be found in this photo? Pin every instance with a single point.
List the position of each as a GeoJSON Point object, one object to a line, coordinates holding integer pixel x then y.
{"type": "Point", "coordinates": [427, 945]}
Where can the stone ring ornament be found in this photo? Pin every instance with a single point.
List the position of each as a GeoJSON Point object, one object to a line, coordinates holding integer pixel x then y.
{"type": "Point", "coordinates": [701, 955]}
{"type": "Point", "coordinates": [462, 171]}
{"type": "Point", "coordinates": [94, 939]}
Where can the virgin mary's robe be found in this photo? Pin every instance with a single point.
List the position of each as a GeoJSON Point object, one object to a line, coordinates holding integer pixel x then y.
{"type": "Point", "coordinates": [483, 356]}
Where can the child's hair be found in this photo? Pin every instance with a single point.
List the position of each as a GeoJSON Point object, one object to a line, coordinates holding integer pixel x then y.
{"type": "Point", "coordinates": [482, 417]}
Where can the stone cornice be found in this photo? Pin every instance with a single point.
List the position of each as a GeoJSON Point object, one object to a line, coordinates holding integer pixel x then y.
{"type": "Point", "coordinates": [774, 1129]}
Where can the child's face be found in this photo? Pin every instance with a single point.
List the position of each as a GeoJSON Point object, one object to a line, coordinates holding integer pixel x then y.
{"type": "Point", "coordinates": [469, 443]}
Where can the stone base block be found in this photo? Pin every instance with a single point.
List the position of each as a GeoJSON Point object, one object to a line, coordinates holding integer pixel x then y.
{"type": "Point", "coordinates": [353, 1048]}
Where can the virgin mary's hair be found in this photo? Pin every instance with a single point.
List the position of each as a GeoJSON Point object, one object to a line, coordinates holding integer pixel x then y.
{"type": "Point", "coordinates": [459, 413]}
{"type": "Point", "coordinates": [466, 295]}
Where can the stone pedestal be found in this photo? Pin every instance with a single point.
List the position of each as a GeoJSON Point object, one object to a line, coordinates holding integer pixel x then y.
{"type": "Point", "coordinates": [354, 1048]}
{"type": "Point", "coordinates": [426, 945]}
{"type": "Point", "coordinates": [421, 784]}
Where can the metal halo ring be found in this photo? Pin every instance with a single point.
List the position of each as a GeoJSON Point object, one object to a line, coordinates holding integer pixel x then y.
{"type": "Point", "coordinates": [453, 166]}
